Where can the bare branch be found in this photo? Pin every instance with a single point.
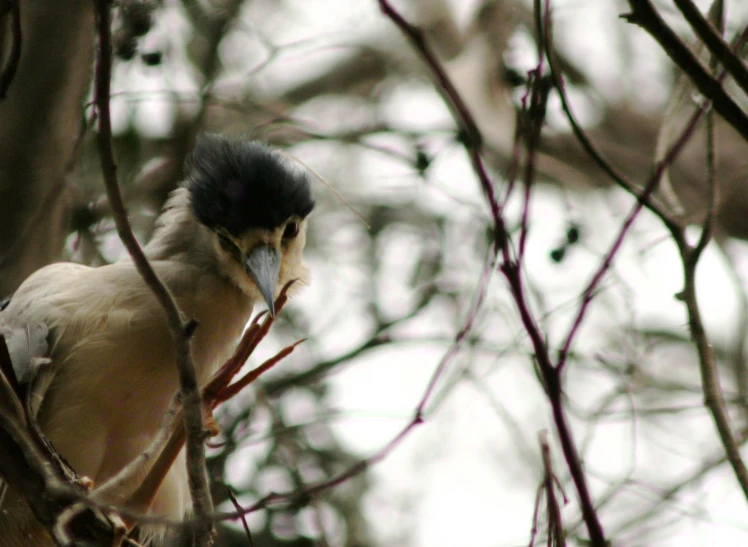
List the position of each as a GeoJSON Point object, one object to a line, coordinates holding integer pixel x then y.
{"type": "Point", "coordinates": [714, 42]}
{"type": "Point", "coordinates": [585, 141]}
{"type": "Point", "coordinates": [511, 270]}
{"type": "Point", "coordinates": [555, 525]}
{"type": "Point", "coordinates": [239, 509]}
{"type": "Point", "coordinates": [472, 139]}
{"type": "Point", "coordinates": [643, 198]}
{"type": "Point", "coordinates": [644, 15]}
{"type": "Point", "coordinates": [713, 397]}
{"type": "Point", "coordinates": [191, 399]}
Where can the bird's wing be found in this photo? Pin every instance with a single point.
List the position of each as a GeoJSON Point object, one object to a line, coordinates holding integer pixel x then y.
{"type": "Point", "coordinates": [27, 346]}
{"type": "Point", "coordinates": [25, 328]}
{"type": "Point", "coordinates": [26, 322]}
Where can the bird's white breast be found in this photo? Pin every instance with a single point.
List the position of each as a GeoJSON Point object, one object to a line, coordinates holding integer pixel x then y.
{"type": "Point", "coordinates": [113, 357]}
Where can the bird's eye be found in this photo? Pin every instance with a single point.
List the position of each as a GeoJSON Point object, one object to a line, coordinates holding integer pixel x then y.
{"type": "Point", "coordinates": [227, 245]}
{"type": "Point", "coordinates": [291, 231]}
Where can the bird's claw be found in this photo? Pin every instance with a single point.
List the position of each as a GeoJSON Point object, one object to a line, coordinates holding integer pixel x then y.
{"type": "Point", "coordinates": [210, 426]}
{"type": "Point", "coordinates": [87, 483]}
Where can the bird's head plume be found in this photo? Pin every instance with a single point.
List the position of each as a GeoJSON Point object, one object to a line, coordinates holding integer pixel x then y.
{"type": "Point", "coordinates": [238, 184]}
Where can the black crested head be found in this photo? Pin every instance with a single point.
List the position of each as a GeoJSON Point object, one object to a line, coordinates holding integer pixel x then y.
{"type": "Point", "coordinates": [238, 184]}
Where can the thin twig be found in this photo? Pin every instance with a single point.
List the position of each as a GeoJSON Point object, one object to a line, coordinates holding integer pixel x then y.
{"type": "Point", "coordinates": [378, 339]}
{"type": "Point", "coordinates": [485, 278]}
{"type": "Point", "coordinates": [737, 355]}
{"type": "Point", "coordinates": [670, 493]}
{"type": "Point", "coordinates": [711, 159]}
{"type": "Point", "coordinates": [213, 394]}
{"type": "Point", "coordinates": [552, 380]}
{"type": "Point", "coordinates": [644, 15]}
{"type": "Point", "coordinates": [587, 144]}
{"type": "Point", "coordinates": [133, 471]}
{"type": "Point", "coordinates": [330, 187]}
{"type": "Point", "coordinates": [240, 509]}
{"type": "Point", "coordinates": [472, 139]}
{"type": "Point", "coordinates": [191, 399]}
{"type": "Point", "coordinates": [555, 525]}
{"type": "Point", "coordinates": [710, 379]}
{"type": "Point", "coordinates": [713, 397]}
{"type": "Point", "coordinates": [597, 277]}
{"type": "Point", "coordinates": [230, 391]}
{"type": "Point", "coordinates": [535, 516]}
{"type": "Point", "coordinates": [509, 268]}
{"type": "Point", "coordinates": [720, 50]}
{"type": "Point", "coordinates": [535, 117]}
{"type": "Point", "coordinates": [514, 164]}
{"type": "Point", "coordinates": [416, 419]}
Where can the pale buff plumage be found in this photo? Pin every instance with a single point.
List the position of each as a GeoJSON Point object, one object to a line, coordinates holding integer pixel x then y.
{"type": "Point", "coordinates": [113, 371]}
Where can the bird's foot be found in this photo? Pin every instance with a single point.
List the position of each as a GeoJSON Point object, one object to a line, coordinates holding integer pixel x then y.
{"type": "Point", "coordinates": [210, 426]}
{"type": "Point", "coordinates": [87, 483]}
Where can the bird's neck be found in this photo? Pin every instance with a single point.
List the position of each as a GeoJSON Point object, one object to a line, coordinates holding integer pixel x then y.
{"type": "Point", "coordinates": [179, 236]}
{"type": "Point", "coordinates": [202, 290]}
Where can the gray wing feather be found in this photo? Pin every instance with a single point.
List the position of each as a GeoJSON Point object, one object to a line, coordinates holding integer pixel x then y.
{"type": "Point", "coordinates": [28, 349]}
{"type": "Point", "coordinates": [27, 345]}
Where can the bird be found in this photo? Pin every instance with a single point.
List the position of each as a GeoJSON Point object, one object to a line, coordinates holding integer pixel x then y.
{"type": "Point", "coordinates": [228, 238]}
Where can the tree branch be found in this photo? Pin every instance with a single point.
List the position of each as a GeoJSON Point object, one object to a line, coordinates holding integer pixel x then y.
{"type": "Point", "coordinates": [714, 42]}
{"type": "Point", "coordinates": [555, 524]}
{"type": "Point", "coordinates": [511, 270]}
{"type": "Point", "coordinates": [191, 399]}
{"type": "Point", "coordinates": [644, 15]}
{"type": "Point", "coordinates": [641, 199]}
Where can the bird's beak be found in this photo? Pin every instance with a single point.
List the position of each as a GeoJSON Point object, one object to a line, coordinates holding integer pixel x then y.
{"type": "Point", "coordinates": [263, 266]}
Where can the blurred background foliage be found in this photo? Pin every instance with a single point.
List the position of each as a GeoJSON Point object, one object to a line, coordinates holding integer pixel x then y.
{"type": "Point", "coordinates": [334, 83]}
